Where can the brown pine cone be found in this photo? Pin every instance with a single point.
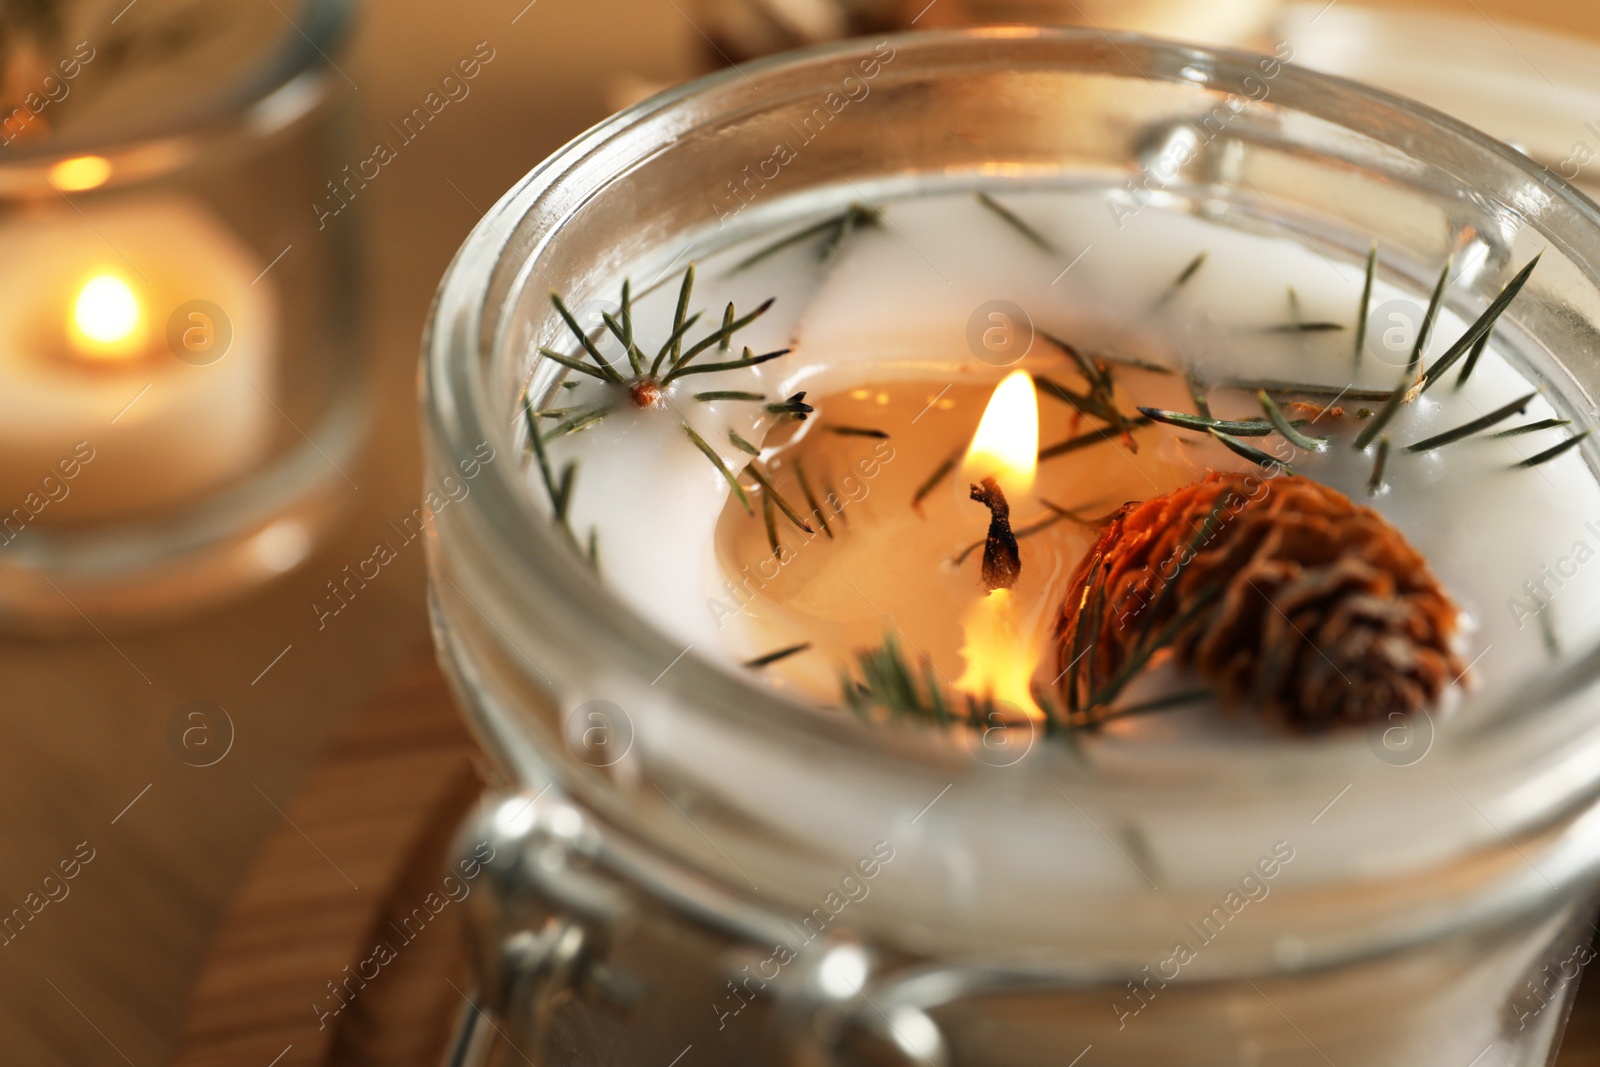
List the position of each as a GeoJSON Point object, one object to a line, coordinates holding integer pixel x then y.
{"type": "Point", "coordinates": [1280, 591]}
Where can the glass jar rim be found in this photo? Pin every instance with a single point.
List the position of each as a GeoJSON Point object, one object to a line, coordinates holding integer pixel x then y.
{"type": "Point", "coordinates": [494, 263]}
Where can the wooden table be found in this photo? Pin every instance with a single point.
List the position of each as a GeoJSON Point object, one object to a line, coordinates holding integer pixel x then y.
{"type": "Point", "coordinates": [106, 976]}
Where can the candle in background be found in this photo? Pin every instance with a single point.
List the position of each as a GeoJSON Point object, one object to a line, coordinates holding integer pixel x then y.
{"type": "Point", "coordinates": [136, 333]}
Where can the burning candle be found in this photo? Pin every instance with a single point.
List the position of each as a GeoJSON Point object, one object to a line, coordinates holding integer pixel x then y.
{"type": "Point", "coordinates": [821, 455]}
{"type": "Point", "coordinates": [1002, 460]}
{"type": "Point", "coordinates": [136, 339]}
{"type": "Point", "coordinates": [764, 462]}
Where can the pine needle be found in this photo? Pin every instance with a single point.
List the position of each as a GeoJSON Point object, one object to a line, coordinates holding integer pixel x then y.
{"type": "Point", "coordinates": [1304, 327]}
{"type": "Point", "coordinates": [1381, 417]}
{"type": "Point", "coordinates": [1469, 428]}
{"type": "Point", "coordinates": [1551, 453]}
{"type": "Point", "coordinates": [749, 359]}
{"type": "Point", "coordinates": [940, 473]}
{"type": "Point", "coordinates": [1480, 328]}
{"type": "Point", "coordinates": [1183, 278]}
{"type": "Point", "coordinates": [578, 422]}
{"type": "Point", "coordinates": [673, 347]}
{"type": "Point", "coordinates": [811, 498]}
{"type": "Point", "coordinates": [769, 519]}
{"type": "Point", "coordinates": [1312, 389]}
{"type": "Point", "coordinates": [1281, 423]}
{"type": "Point", "coordinates": [1472, 358]}
{"type": "Point", "coordinates": [1379, 461]}
{"type": "Point", "coordinates": [780, 654]}
{"type": "Point", "coordinates": [1366, 304]}
{"type": "Point", "coordinates": [836, 228]}
{"type": "Point", "coordinates": [607, 371]}
{"type": "Point", "coordinates": [1425, 331]}
{"type": "Point", "coordinates": [574, 364]}
{"type": "Point", "coordinates": [722, 337]}
{"type": "Point", "coordinates": [1203, 423]}
{"type": "Point", "coordinates": [1253, 454]}
{"type": "Point", "coordinates": [722, 468]}
{"type": "Point", "coordinates": [1533, 427]}
{"type": "Point", "coordinates": [730, 394]}
{"type": "Point", "coordinates": [777, 498]}
{"type": "Point", "coordinates": [1033, 236]}
{"type": "Point", "coordinates": [1087, 440]}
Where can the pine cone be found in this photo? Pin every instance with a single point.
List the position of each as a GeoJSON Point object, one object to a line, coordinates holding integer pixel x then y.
{"type": "Point", "coordinates": [1279, 591]}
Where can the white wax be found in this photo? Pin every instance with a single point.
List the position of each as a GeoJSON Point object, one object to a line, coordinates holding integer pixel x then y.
{"type": "Point", "coordinates": [895, 302]}
{"type": "Point", "coordinates": [160, 430]}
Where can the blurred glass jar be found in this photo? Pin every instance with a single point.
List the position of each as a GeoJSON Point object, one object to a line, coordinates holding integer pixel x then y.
{"type": "Point", "coordinates": [744, 29]}
{"type": "Point", "coordinates": [668, 868]}
{"type": "Point", "coordinates": [180, 384]}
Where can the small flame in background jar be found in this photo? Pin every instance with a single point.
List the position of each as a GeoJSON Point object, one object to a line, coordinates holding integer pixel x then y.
{"type": "Point", "coordinates": [1000, 656]}
{"type": "Point", "coordinates": [107, 322]}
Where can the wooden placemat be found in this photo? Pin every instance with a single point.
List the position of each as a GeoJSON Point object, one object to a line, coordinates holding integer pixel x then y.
{"type": "Point", "coordinates": [361, 850]}
{"type": "Point", "coordinates": [363, 846]}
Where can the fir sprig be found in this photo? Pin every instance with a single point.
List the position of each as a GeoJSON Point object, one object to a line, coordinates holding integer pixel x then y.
{"type": "Point", "coordinates": [648, 380]}
{"type": "Point", "coordinates": [887, 681]}
{"type": "Point", "coordinates": [1101, 397]}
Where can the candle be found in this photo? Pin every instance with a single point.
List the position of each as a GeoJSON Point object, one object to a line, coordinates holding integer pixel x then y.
{"type": "Point", "coordinates": [999, 652]}
{"type": "Point", "coordinates": [138, 351]}
{"type": "Point", "coordinates": [800, 507]}
{"type": "Point", "coordinates": [878, 333]}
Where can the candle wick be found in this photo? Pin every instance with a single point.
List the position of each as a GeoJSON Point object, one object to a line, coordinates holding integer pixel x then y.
{"type": "Point", "coordinates": [1002, 562]}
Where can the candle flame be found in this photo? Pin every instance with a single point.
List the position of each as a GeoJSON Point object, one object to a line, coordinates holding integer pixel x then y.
{"type": "Point", "coordinates": [1006, 444]}
{"type": "Point", "coordinates": [80, 173]}
{"type": "Point", "coordinates": [107, 322]}
{"type": "Point", "coordinates": [1001, 654]}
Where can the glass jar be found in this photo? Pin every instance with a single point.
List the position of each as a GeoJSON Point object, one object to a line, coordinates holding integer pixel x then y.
{"type": "Point", "coordinates": [686, 859]}
{"type": "Point", "coordinates": [181, 385]}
